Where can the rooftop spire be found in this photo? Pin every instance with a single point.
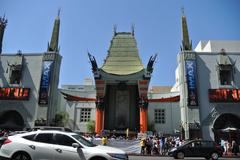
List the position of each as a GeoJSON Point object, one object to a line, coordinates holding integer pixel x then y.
{"type": "Point", "coordinates": [53, 47]}
{"type": "Point", "coordinates": [115, 30]}
{"type": "Point", "coordinates": [3, 23]}
{"type": "Point", "coordinates": [133, 29]}
{"type": "Point", "coordinates": [186, 44]}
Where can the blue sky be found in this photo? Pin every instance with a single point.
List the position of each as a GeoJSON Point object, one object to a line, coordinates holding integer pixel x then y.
{"type": "Point", "coordinates": [87, 25]}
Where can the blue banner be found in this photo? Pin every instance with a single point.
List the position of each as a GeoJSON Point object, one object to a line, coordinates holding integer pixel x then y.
{"type": "Point", "coordinates": [191, 82]}
{"type": "Point", "coordinates": [45, 81]}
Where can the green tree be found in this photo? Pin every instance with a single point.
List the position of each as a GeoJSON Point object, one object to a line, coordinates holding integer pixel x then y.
{"type": "Point", "coordinates": [61, 119]}
{"type": "Point", "coordinates": [91, 126]}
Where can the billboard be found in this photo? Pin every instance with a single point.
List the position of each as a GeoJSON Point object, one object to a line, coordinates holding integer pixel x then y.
{"type": "Point", "coordinates": [224, 95]}
{"type": "Point", "coordinates": [45, 82]}
{"type": "Point", "coordinates": [191, 82]}
{"type": "Point", "coordinates": [14, 93]}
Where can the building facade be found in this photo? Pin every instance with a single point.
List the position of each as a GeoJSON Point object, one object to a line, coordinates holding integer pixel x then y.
{"type": "Point", "coordinates": [29, 85]}
{"type": "Point", "coordinates": [164, 112]}
{"type": "Point", "coordinates": [208, 80]}
{"type": "Point", "coordinates": [80, 106]}
{"type": "Point", "coordinates": [211, 72]}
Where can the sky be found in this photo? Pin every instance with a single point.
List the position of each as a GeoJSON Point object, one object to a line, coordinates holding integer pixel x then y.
{"type": "Point", "coordinates": [87, 26]}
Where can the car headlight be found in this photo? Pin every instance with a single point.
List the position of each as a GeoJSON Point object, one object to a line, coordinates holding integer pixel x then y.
{"type": "Point", "coordinates": [119, 156]}
{"type": "Point", "coordinates": [173, 149]}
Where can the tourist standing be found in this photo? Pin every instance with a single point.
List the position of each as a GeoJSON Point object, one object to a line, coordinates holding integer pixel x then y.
{"type": "Point", "coordinates": [143, 144]}
{"type": "Point", "coordinates": [104, 140]}
{"type": "Point", "coordinates": [235, 148]}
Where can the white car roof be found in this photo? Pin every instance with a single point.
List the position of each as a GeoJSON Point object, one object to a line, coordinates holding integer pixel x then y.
{"type": "Point", "coordinates": [45, 131]}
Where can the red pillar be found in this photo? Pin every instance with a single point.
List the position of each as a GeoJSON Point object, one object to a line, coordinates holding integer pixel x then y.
{"type": "Point", "coordinates": [99, 121]}
{"type": "Point", "coordinates": [143, 119]}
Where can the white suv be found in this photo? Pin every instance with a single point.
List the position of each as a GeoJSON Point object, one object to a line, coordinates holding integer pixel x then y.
{"type": "Point", "coordinates": [55, 145]}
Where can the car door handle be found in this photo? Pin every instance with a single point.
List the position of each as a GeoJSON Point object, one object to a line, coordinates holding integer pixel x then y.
{"type": "Point", "coordinates": [59, 150]}
{"type": "Point", "coordinates": [32, 146]}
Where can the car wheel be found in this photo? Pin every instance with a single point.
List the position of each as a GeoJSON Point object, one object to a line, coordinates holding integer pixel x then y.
{"type": "Point", "coordinates": [214, 156]}
{"type": "Point", "coordinates": [98, 158]}
{"type": "Point", "coordinates": [180, 155]}
{"type": "Point", "coordinates": [21, 156]}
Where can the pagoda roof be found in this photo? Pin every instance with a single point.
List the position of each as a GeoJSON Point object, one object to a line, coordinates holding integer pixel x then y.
{"type": "Point", "coordinates": [123, 57]}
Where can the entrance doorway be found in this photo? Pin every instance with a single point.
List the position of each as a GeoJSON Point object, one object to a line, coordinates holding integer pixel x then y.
{"type": "Point", "coordinates": [121, 109]}
{"type": "Point", "coordinates": [227, 127]}
{"type": "Point", "coordinates": [11, 120]}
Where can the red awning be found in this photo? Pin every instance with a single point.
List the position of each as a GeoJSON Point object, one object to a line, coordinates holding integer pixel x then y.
{"type": "Point", "coordinates": [168, 99]}
{"type": "Point", "coordinates": [84, 99]}
{"type": "Point", "coordinates": [77, 98]}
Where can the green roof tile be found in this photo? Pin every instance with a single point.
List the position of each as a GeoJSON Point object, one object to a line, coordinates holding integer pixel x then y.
{"type": "Point", "coordinates": [123, 57]}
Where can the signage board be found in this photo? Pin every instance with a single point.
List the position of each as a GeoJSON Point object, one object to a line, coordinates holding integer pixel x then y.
{"type": "Point", "coordinates": [45, 82]}
{"type": "Point", "coordinates": [191, 82]}
{"type": "Point", "coordinates": [224, 95]}
{"type": "Point", "coordinates": [14, 93]}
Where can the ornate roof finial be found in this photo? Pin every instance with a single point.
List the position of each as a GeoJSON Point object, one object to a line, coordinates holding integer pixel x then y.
{"type": "Point", "coordinates": [133, 27]}
{"type": "Point", "coordinates": [53, 46]}
{"type": "Point", "coordinates": [115, 29]}
{"type": "Point", "coordinates": [186, 44]}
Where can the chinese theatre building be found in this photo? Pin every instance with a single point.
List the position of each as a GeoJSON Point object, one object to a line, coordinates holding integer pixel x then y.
{"type": "Point", "coordinates": [122, 86]}
{"type": "Point", "coordinates": [29, 84]}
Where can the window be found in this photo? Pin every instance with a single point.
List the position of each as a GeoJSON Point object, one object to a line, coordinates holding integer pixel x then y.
{"type": "Point", "coordinates": [160, 116]}
{"type": "Point", "coordinates": [225, 74]}
{"type": "Point", "coordinates": [64, 140]}
{"type": "Point", "coordinates": [207, 144]}
{"type": "Point", "coordinates": [83, 140]}
{"type": "Point", "coordinates": [15, 74]}
{"type": "Point", "coordinates": [29, 137]}
{"type": "Point", "coordinates": [225, 77]}
{"type": "Point", "coordinates": [85, 114]}
{"type": "Point", "coordinates": [45, 138]}
{"type": "Point", "coordinates": [225, 68]}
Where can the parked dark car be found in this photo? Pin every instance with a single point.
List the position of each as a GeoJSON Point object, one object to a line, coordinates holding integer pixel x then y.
{"type": "Point", "coordinates": [197, 148]}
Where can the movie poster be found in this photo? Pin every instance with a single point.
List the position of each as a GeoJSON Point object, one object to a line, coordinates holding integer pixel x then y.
{"type": "Point", "coordinates": [191, 82]}
{"type": "Point", "coordinates": [45, 82]}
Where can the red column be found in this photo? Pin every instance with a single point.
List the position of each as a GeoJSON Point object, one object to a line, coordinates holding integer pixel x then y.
{"type": "Point", "coordinates": [99, 121]}
{"type": "Point", "coordinates": [143, 119]}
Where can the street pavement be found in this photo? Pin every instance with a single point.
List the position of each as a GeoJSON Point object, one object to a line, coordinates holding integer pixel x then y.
{"type": "Point", "coordinates": [170, 158]}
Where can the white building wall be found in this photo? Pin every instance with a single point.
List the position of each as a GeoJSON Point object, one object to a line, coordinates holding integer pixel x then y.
{"type": "Point", "coordinates": [172, 117]}
{"type": "Point", "coordinates": [31, 75]}
{"type": "Point", "coordinates": [172, 113]}
{"type": "Point", "coordinates": [73, 108]}
{"type": "Point", "coordinates": [208, 78]}
{"type": "Point", "coordinates": [216, 46]}
{"type": "Point", "coordinates": [32, 63]}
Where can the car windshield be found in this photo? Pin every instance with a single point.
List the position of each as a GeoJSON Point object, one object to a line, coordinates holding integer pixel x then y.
{"type": "Point", "coordinates": [83, 140]}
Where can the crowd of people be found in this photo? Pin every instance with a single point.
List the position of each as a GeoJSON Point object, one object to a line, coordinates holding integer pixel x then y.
{"type": "Point", "coordinates": [229, 147]}
{"type": "Point", "coordinates": [159, 145]}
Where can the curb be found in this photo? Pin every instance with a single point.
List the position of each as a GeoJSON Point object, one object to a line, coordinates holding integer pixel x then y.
{"type": "Point", "coordinates": [135, 154]}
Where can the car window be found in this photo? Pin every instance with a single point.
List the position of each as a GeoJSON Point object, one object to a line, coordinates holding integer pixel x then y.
{"type": "Point", "coordinates": [207, 144]}
{"type": "Point", "coordinates": [29, 137]}
{"type": "Point", "coordinates": [197, 144]}
{"type": "Point", "coordinates": [44, 138]}
{"type": "Point", "coordinates": [83, 140]}
{"type": "Point", "coordinates": [67, 129]}
{"type": "Point", "coordinates": [64, 140]}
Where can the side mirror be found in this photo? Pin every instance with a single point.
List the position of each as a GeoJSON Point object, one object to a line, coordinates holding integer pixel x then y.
{"type": "Point", "coordinates": [76, 145]}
